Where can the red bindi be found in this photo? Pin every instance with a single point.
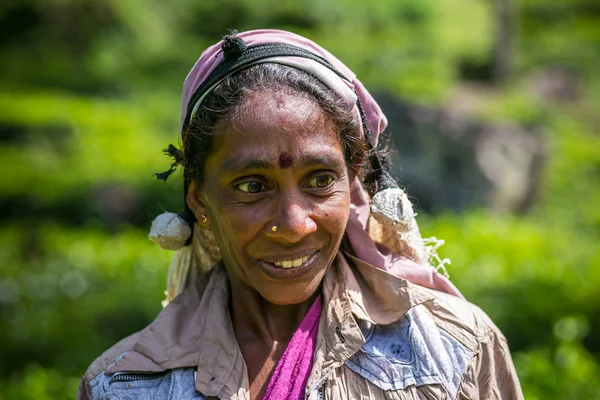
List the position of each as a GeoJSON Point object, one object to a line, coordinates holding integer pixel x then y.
{"type": "Point", "coordinates": [285, 160]}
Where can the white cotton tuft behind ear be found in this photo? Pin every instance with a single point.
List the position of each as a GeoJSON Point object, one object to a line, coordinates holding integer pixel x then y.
{"type": "Point", "coordinates": [391, 207]}
{"type": "Point", "coordinates": [170, 231]}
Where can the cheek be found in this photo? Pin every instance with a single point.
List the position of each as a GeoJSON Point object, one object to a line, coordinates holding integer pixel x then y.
{"type": "Point", "coordinates": [230, 222]}
{"type": "Point", "coordinates": [334, 213]}
{"type": "Point", "coordinates": [237, 224]}
{"type": "Point", "coordinates": [240, 220]}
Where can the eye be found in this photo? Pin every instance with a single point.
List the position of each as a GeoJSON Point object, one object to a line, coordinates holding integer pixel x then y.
{"type": "Point", "coordinates": [319, 182]}
{"type": "Point", "coordinates": [251, 187]}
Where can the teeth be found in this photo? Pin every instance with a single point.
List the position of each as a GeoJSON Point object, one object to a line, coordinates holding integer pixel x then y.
{"type": "Point", "coordinates": [291, 263]}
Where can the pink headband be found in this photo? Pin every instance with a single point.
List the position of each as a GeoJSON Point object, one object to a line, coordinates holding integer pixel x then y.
{"type": "Point", "coordinates": [348, 88]}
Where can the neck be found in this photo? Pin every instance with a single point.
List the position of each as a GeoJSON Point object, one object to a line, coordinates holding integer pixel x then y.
{"type": "Point", "coordinates": [255, 318]}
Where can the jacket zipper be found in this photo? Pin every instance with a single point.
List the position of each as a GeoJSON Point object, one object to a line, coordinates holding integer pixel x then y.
{"type": "Point", "coordinates": [320, 393]}
{"type": "Point", "coordinates": [127, 377]}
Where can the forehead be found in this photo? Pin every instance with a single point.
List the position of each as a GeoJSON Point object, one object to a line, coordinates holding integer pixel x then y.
{"type": "Point", "coordinates": [268, 124]}
{"type": "Point", "coordinates": [286, 110]}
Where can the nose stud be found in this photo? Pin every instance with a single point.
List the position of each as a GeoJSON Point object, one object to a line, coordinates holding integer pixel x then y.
{"type": "Point", "coordinates": [274, 228]}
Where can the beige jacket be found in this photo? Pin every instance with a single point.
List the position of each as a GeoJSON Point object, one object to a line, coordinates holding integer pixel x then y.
{"type": "Point", "coordinates": [380, 337]}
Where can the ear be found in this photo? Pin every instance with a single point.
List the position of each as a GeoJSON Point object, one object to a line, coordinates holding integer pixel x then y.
{"type": "Point", "coordinates": [193, 201]}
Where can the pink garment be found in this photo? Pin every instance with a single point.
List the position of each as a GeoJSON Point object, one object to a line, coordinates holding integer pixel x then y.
{"type": "Point", "coordinates": [291, 374]}
{"type": "Point", "coordinates": [213, 56]}
{"type": "Point", "coordinates": [364, 248]}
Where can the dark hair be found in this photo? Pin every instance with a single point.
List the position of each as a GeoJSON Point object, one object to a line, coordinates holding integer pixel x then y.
{"type": "Point", "coordinates": [221, 104]}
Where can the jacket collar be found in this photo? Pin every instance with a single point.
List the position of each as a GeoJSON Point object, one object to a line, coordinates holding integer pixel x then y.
{"type": "Point", "coordinates": [195, 329]}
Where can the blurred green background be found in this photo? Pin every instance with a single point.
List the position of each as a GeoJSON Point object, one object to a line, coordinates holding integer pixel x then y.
{"type": "Point", "coordinates": [89, 95]}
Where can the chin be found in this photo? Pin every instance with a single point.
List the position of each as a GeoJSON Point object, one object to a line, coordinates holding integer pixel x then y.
{"type": "Point", "coordinates": [287, 296]}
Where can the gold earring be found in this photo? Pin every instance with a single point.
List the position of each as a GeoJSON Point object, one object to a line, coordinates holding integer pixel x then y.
{"type": "Point", "coordinates": [274, 228]}
{"type": "Point", "coordinates": [203, 219]}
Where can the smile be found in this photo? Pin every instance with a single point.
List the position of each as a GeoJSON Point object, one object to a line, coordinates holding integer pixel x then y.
{"type": "Point", "coordinates": [291, 263]}
{"type": "Point", "coordinates": [292, 266]}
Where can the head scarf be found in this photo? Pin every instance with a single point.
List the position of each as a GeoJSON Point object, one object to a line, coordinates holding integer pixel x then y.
{"type": "Point", "coordinates": [400, 250]}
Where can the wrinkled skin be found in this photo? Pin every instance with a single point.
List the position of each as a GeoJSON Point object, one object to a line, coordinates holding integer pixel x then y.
{"type": "Point", "coordinates": [247, 191]}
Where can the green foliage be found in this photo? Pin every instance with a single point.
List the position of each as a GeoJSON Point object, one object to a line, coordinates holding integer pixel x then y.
{"type": "Point", "coordinates": [563, 33]}
{"type": "Point", "coordinates": [61, 287]}
{"type": "Point", "coordinates": [90, 96]}
{"type": "Point", "coordinates": [83, 128]}
{"type": "Point", "coordinates": [37, 383]}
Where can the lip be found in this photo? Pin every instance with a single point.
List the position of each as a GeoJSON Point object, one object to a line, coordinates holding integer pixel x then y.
{"type": "Point", "coordinates": [269, 268]}
{"type": "Point", "coordinates": [279, 258]}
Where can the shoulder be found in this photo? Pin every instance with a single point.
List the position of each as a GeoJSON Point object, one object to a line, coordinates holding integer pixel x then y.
{"type": "Point", "coordinates": [104, 362]}
{"type": "Point", "coordinates": [490, 372]}
{"type": "Point", "coordinates": [111, 355]}
{"type": "Point", "coordinates": [387, 296]}
{"type": "Point", "coordinates": [461, 319]}
{"type": "Point", "coordinates": [445, 341]}
{"type": "Point", "coordinates": [151, 349]}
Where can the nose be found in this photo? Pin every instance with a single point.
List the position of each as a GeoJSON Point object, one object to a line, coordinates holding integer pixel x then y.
{"type": "Point", "coordinates": [292, 219]}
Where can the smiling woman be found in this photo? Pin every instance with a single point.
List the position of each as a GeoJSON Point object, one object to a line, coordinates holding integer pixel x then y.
{"type": "Point", "coordinates": [300, 271]}
{"type": "Point", "coordinates": [308, 202]}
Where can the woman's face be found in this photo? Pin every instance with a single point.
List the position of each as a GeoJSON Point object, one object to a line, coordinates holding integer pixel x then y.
{"type": "Point", "coordinates": [277, 194]}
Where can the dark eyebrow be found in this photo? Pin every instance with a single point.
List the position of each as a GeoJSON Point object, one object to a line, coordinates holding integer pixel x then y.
{"type": "Point", "coordinates": [233, 166]}
{"type": "Point", "coordinates": [325, 159]}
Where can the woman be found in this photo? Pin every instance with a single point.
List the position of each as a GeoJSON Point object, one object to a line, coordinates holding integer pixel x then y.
{"type": "Point", "coordinates": [281, 291]}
